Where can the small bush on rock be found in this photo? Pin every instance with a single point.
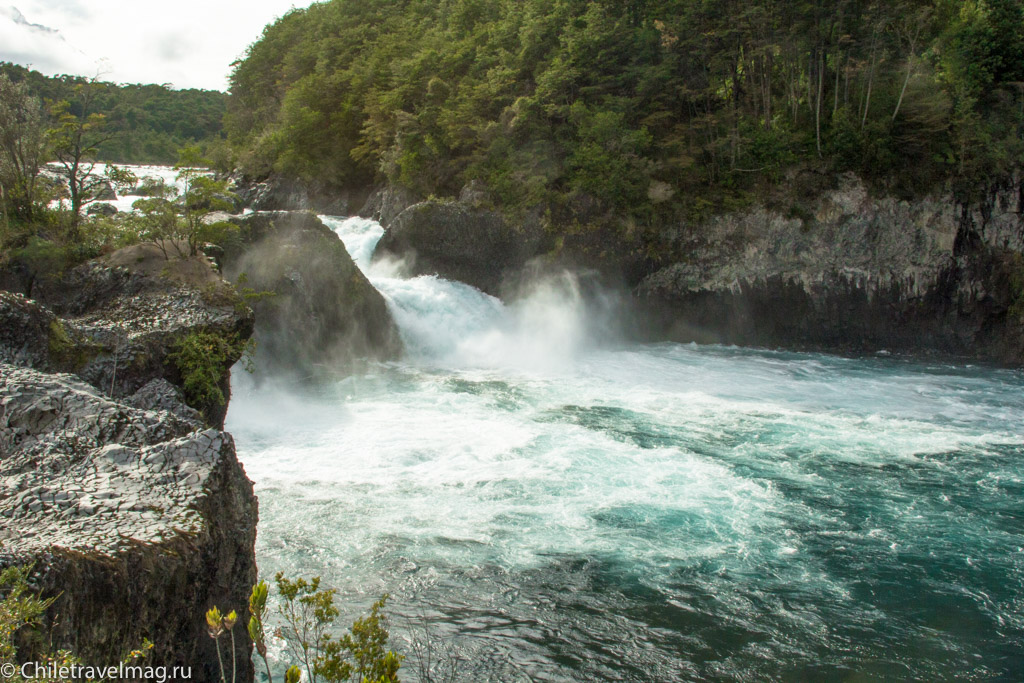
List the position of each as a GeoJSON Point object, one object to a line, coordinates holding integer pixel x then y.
{"type": "Point", "coordinates": [202, 358]}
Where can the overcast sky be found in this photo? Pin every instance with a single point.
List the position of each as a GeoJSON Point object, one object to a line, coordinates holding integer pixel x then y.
{"type": "Point", "coordinates": [187, 43]}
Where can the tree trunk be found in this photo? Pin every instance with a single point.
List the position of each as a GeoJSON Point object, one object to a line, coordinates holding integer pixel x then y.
{"type": "Point", "coordinates": [867, 97]}
{"type": "Point", "coordinates": [817, 107]}
{"type": "Point", "coordinates": [76, 198]}
{"type": "Point", "coordinates": [835, 95]}
{"type": "Point", "coordinates": [903, 90]}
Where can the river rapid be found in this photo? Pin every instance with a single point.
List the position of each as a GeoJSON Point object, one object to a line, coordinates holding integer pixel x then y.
{"type": "Point", "coordinates": [545, 503]}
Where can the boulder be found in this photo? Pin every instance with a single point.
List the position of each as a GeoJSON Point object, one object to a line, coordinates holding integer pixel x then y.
{"type": "Point", "coordinates": [315, 310]}
{"type": "Point", "coordinates": [148, 186]}
{"type": "Point", "coordinates": [101, 209]}
{"type": "Point", "coordinates": [287, 194]}
{"type": "Point", "coordinates": [457, 242]}
{"type": "Point", "coordinates": [105, 192]}
{"type": "Point", "coordinates": [386, 203]}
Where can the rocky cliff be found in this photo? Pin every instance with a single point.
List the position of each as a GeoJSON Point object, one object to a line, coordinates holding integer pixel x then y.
{"type": "Point", "coordinates": [131, 504]}
{"type": "Point", "coordinates": [854, 272]}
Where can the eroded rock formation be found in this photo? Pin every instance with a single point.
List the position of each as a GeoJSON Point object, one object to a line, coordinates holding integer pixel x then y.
{"type": "Point", "coordinates": [857, 273]}
{"type": "Point", "coordinates": [131, 505]}
{"type": "Point", "coordinates": [460, 242]}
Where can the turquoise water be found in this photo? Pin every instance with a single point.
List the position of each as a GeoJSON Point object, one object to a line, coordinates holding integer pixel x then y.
{"type": "Point", "coordinates": [549, 509]}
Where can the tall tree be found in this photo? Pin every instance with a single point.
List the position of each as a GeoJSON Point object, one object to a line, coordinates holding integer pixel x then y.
{"type": "Point", "coordinates": [22, 150]}
{"type": "Point", "coordinates": [75, 141]}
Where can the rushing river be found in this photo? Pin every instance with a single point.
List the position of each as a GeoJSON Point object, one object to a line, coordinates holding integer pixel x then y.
{"type": "Point", "coordinates": [548, 508]}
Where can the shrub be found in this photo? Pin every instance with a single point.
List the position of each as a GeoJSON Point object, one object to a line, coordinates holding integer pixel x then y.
{"type": "Point", "coordinates": [308, 612]}
{"type": "Point", "coordinates": [202, 358]}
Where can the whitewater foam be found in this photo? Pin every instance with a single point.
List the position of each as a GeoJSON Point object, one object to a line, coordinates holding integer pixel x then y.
{"type": "Point", "coordinates": [570, 512]}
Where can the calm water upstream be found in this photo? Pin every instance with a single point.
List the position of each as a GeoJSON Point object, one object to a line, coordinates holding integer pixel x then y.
{"type": "Point", "coordinates": [554, 510]}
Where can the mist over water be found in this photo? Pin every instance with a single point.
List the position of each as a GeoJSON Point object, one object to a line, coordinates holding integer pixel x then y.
{"type": "Point", "coordinates": [560, 509]}
{"type": "Point", "coordinates": [455, 325]}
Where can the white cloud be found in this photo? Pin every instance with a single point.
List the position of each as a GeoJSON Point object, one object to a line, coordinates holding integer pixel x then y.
{"type": "Point", "coordinates": [187, 43]}
{"type": "Point", "coordinates": [42, 47]}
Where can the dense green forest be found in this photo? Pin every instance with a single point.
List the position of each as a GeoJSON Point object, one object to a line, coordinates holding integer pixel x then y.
{"type": "Point", "coordinates": [145, 123]}
{"type": "Point", "coordinates": [650, 108]}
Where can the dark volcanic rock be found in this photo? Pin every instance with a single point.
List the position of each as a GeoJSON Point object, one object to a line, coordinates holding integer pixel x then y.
{"type": "Point", "coordinates": [159, 394]}
{"type": "Point", "coordinates": [283, 194]}
{"type": "Point", "coordinates": [323, 314]}
{"type": "Point", "coordinates": [386, 203]}
{"type": "Point", "coordinates": [459, 243]}
{"type": "Point", "coordinates": [25, 329]}
{"type": "Point", "coordinates": [148, 186]}
{"type": "Point", "coordinates": [120, 317]}
{"type": "Point", "coordinates": [137, 520]}
{"type": "Point", "coordinates": [860, 274]}
{"type": "Point", "coordinates": [106, 192]}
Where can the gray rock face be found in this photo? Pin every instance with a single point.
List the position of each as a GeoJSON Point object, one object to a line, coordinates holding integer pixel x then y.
{"type": "Point", "coordinates": [119, 323]}
{"type": "Point", "coordinates": [459, 243]}
{"type": "Point", "coordinates": [25, 329]}
{"type": "Point", "coordinates": [159, 394]}
{"type": "Point", "coordinates": [386, 203]}
{"type": "Point", "coordinates": [106, 192]}
{"type": "Point", "coordinates": [323, 314]}
{"type": "Point", "coordinates": [138, 519]}
{"type": "Point", "coordinates": [283, 194]}
{"type": "Point", "coordinates": [863, 274]}
{"type": "Point", "coordinates": [101, 209]}
{"type": "Point", "coordinates": [132, 511]}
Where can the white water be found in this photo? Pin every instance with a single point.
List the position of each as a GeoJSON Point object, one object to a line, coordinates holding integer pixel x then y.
{"type": "Point", "coordinates": [453, 324]}
{"type": "Point", "coordinates": [559, 510]}
{"type": "Point", "coordinates": [167, 174]}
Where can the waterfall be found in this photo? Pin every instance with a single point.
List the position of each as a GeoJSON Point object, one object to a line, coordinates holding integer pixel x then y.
{"type": "Point", "coordinates": [454, 324]}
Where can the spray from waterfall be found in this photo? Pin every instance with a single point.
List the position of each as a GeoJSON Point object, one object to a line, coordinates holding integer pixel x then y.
{"type": "Point", "coordinates": [548, 322]}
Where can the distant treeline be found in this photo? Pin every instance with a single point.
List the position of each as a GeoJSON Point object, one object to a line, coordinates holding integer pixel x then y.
{"type": "Point", "coordinates": [648, 108]}
{"type": "Point", "coordinates": [151, 123]}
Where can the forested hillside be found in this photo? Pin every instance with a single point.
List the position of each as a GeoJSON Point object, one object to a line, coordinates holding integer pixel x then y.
{"type": "Point", "coordinates": [145, 123]}
{"type": "Point", "coordinates": [650, 108]}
